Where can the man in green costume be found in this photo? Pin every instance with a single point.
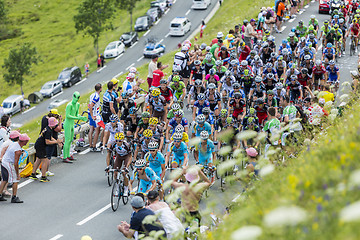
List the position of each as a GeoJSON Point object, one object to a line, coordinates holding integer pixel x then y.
{"type": "Point", "coordinates": [72, 114]}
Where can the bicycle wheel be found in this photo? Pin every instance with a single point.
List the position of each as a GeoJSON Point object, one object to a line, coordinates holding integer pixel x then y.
{"type": "Point", "coordinates": [110, 177]}
{"type": "Point", "coordinates": [115, 196]}
{"type": "Point", "coordinates": [125, 199]}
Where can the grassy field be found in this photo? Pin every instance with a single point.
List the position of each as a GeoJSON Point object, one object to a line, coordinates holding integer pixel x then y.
{"type": "Point", "coordinates": [48, 25]}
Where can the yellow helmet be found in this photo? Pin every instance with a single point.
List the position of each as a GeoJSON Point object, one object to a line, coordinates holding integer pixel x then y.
{"type": "Point", "coordinates": [153, 121]}
{"type": "Point", "coordinates": [156, 92]}
{"type": "Point", "coordinates": [119, 136]}
{"type": "Point", "coordinates": [148, 133]}
{"type": "Point", "coordinates": [242, 44]}
{"type": "Point", "coordinates": [114, 81]}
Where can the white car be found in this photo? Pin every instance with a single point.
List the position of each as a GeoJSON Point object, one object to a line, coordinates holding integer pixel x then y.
{"type": "Point", "coordinates": [114, 49]}
{"type": "Point", "coordinates": [200, 4]}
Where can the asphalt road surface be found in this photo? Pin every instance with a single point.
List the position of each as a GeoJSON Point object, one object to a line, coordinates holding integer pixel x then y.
{"type": "Point", "coordinates": [132, 56]}
{"type": "Point", "coordinates": [77, 200]}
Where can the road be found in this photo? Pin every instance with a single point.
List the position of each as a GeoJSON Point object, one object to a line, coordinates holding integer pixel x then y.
{"type": "Point", "coordinates": [133, 56]}
{"type": "Point", "coordinates": [76, 201]}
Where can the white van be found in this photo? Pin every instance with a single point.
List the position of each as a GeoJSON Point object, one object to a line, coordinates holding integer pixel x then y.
{"type": "Point", "coordinates": [11, 104]}
{"type": "Point", "coordinates": [179, 26]}
{"type": "Point", "coordinates": [200, 4]}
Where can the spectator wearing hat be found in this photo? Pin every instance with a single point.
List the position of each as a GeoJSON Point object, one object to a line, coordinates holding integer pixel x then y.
{"type": "Point", "coordinates": [249, 33]}
{"type": "Point", "coordinates": [10, 167]}
{"type": "Point", "coordinates": [252, 159]}
{"type": "Point", "coordinates": [172, 225]}
{"type": "Point", "coordinates": [45, 146]}
{"type": "Point", "coordinates": [196, 184]}
{"type": "Point", "coordinates": [151, 68]}
{"type": "Point", "coordinates": [136, 226]}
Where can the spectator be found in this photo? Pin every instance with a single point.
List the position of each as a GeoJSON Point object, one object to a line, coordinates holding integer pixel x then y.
{"type": "Point", "coordinates": [94, 117]}
{"type": "Point", "coordinates": [249, 33]}
{"type": "Point", "coordinates": [10, 167]}
{"type": "Point", "coordinates": [243, 27]}
{"type": "Point", "coordinates": [87, 69]}
{"type": "Point", "coordinates": [102, 58]}
{"type": "Point", "coordinates": [171, 223]}
{"type": "Point", "coordinates": [158, 74]}
{"type": "Point", "coordinates": [151, 69]}
{"type": "Point", "coordinates": [4, 129]}
{"type": "Point", "coordinates": [45, 146]}
{"type": "Point", "coordinates": [280, 14]}
{"type": "Point", "coordinates": [136, 226]}
{"type": "Point", "coordinates": [108, 103]}
{"type": "Point", "coordinates": [115, 94]}
{"type": "Point", "coordinates": [98, 62]}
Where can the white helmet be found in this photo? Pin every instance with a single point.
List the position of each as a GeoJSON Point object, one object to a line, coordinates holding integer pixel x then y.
{"type": "Point", "coordinates": [204, 135]}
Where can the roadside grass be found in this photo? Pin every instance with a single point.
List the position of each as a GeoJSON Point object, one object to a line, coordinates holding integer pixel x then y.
{"type": "Point", "coordinates": [48, 25]}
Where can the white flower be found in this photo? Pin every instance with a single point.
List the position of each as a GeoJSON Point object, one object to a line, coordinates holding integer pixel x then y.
{"type": "Point", "coordinates": [266, 170]}
{"type": "Point", "coordinates": [344, 98]}
{"type": "Point", "coordinates": [285, 216]}
{"type": "Point", "coordinates": [261, 136]}
{"type": "Point", "coordinates": [247, 233]}
{"type": "Point", "coordinates": [225, 150]}
{"type": "Point", "coordinates": [342, 104]}
{"type": "Point", "coordinates": [334, 111]}
{"type": "Point", "coordinates": [307, 141]}
{"type": "Point", "coordinates": [316, 93]}
{"type": "Point", "coordinates": [226, 166]}
{"type": "Point", "coordinates": [328, 104]}
{"type": "Point", "coordinates": [332, 117]}
{"type": "Point", "coordinates": [194, 141]}
{"type": "Point", "coordinates": [237, 152]}
{"type": "Point", "coordinates": [350, 213]}
{"type": "Point", "coordinates": [248, 134]}
{"type": "Point", "coordinates": [354, 179]}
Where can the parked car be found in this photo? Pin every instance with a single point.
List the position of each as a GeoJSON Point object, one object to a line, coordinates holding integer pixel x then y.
{"type": "Point", "coordinates": [129, 38]}
{"type": "Point", "coordinates": [70, 76]}
{"type": "Point", "coordinates": [11, 104]}
{"type": "Point", "coordinates": [324, 6]}
{"type": "Point", "coordinates": [154, 13]}
{"type": "Point", "coordinates": [143, 23]}
{"type": "Point", "coordinates": [114, 49]}
{"type": "Point", "coordinates": [51, 88]}
{"type": "Point", "coordinates": [200, 4]}
{"type": "Point", "coordinates": [179, 26]}
{"type": "Point", "coordinates": [162, 4]}
{"type": "Point", "coordinates": [153, 47]}
{"type": "Point", "coordinates": [56, 103]}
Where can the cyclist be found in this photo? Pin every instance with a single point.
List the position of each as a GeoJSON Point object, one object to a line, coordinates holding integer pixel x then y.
{"type": "Point", "coordinates": [212, 77]}
{"type": "Point", "coordinates": [247, 81]}
{"type": "Point", "coordinates": [206, 152]}
{"type": "Point", "coordinates": [156, 160]}
{"type": "Point", "coordinates": [272, 126]}
{"type": "Point", "coordinates": [200, 125]}
{"type": "Point", "coordinates": [354, 32]}
{"type": "Point", "coordinates": [178, 119]}
{"type": "Point", "coordinates": [279, 91]}
{"type": "Point", "coordinates": [179, 151]}
{"type": "Point", "coordinates": [219, 68]}
{"type": "Point", "coordinates": [318, 76]}
{"type": "Point", "coordinates": [131, 122]}
{"type": "Point", "coordinates": [166, 92]}
{"type": "Point", "coordinates": [214, 99]}
{"type": "Point", "coordinates": [238, 107]}
{"type": "Point", "coordinates": [178, 88]}
{"type": "Point", "coordinates": [157, 131]}
{"type": "Point", "coordinates": [257, 90]}
{"type": "Point", "coordinates": [194, 92]}
{"type": "Point", "coordinates": [123, 158]}
{"type": "Point", "coordinates": [220, 123]}
{"type": "Point", "coordinates": [125, 104]}
{"type": "Point", "coordinates": [324, 31]}
{"type": "Point", "coordinates": [200, 104]}
{"type": "Point", "coordinates": [261, 110]}
{"type": "Point", "coordinates": [208, 118]}
{"type": "Point", "coordinates": [290, 113]}
{"type": "Point", "coordinates": [257, 65]}
{"type": "Point", "coordinates": [332, 74]}
{"type": "Point", "coordinates": [143, 124]}
{"type": "Point", "coordinates": [197, 72]}
{"type": "Point", "coordinates": [328, 53]}
{"type": "Point", "coordinates": [301, 28]}
{"type": "Point", "coordinates": [251, 125]}
{"type": "Point", "coordinates": [250, 114]}
{"type": "Point", "coordinates": [144, 141]}
{"type": "Point", "coordinates": [208, 62]}
{"type": "Point", "coordinates": [158, 105]}
{"type": "Point", "coordinates": [180, 129]}
{"type": "Point", "coordinates": [280, 66]}
{"type": "Point", "coordinates": [146, 176]}
{"type": "Point", "coordinates": [174, 107]}
{"type": "Point", "coordinates": [269, 81]}
{"type": "Point", "coordinates": [314, 22]}
{"type": "Point", "coordinates": [294, 89]}
{"type": "Point", "coordinates": [293, 41]}
{"type": "Point", "coordinates": [111, 128]}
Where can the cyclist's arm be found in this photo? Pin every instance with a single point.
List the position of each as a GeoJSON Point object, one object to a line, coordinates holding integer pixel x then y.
{"type": "Point", "coordinates": [167, 132]}
{"type": "Point", "coordinates": [153, 186]}
{"type": "Point", "coordinates": [167, 157]}
{"type": "Point", "coordinates": [106, 138]}
{"type": "Point", "coordinates": [186, 159]}
{"type": "Point", "coordinates": [162, 175]}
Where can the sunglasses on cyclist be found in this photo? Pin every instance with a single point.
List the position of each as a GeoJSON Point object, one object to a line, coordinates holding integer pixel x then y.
{"type": "Point", "coordinates": [119, 140]}
{"type": "Point", "coordinates": [177, 141]}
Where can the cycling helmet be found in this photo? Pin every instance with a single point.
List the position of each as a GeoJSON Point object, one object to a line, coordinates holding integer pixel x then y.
{"type": "Point", "coordinates": [304, 71]}
{"type": "Point", "coordinates": [204, 135]}
{"type": "Point", "coordinates": [197, 62]}
{"type": "Point", "coordinates": [329, 45]}
{"type": "Point", "coordinates": [273, 55]}
{"type": "Point", "coordinates": [163, 81]}
{"type": "Point", "coordinates": [201, 96]}
{"type": "Point", "coordinates": [326, 22]}
{"type": "Point", "coordinates": [227, 73]}
{"type": "Point", "coordinates": [176, 69]}
{"type": "Point", "coordinates": [332, 30]}
{"type": "Point", "coordinates": [302, 39]}
{"type": "Point", "coordinates": [200, 118]}
{"type": "Point", "coordinates": [140, 163]}
{"type": "Point", "coordinates": [252, 111]}
{"type": "Point", "coordinates": [223, 48]}
{"type": "Point", "coordinates": [148, 133]}
{"type": "Point", "coordinates": [268, 65]}
{"type": "Point", "coordinates": [312, 17]}
{"type": "Point", "coordinates": [270, 92]}
{"type": "Point", "coordinates": [218, 62]}
{"type": "Point", "coordinates": [293, 29]}
{"type": "Point", "coordinates": [132, 110]}
{"type": "Point", "coordinates": [208, 56]}
{"type": "Point", "coordinates": [223, 113]}
{"type": "Point", "coordinates": [318, 62]}
{"type": "Point", "coordinates": [250, 120]}
{"type": "Point", "coordinates": [133, 70]}
{"type": "Point", "coordinates": [175, 106]}
{"type": "Point", "coordinates": [301, 22]}
{"type": "Point", "coordinates": [177, 136]}
{"type": "Point", "coordinates": [212, 71]}
{"type": "Point", "coordinates": [206, 110]}
{"type": "Point", "coordinates": [246, 72]}
{"type": "Point", "coordinates": [242, 44]}
{"type": "Point", "coordinates": [179, 128]}
{"type": "Point", "coordinates": [211, 86]}
{"type": "Point", "coordinates": [258, 79]}
{"type": "Point", "coordinates": [233, 55]}
{"type": "Point", "coordinates": [312, 36]}
{"type": "Point", "coordinates": [293, 77]}
{"type": "Point", "coordinates": [119, 136]}
{"type": "Point", "coordinates": [306, 49]}
{"type": "Point", "coordinates": [267, 32]}
{"type": "Point", "coordinates": [244, 63]}
{"type": "Point", "coordinates": [234, 62]}
{"type": "Point", "coordinates": [153, 121]}
{"type": "Point", "coordinates": [153, 145]}
{"type": "Point", "coordinates": [176, 78]}
{"type": "Point", "coordinates": [113, 118]}
{"type": "Point", "coordinates": [336, 26]}
{"type": "Point", "coordinates": [236, 85]}
{"type": "Point", "coordinates": [331, 62]}
{"type": "Point", "coordinates": [291, 34]}
{"type": "Point", "coordinates": [271, 38]}
{"type": "Point", "coordinates": [354, 21]}
{"type": "Point", "coordinates": [179, 113]}
{"type": "Point", "coordinates": [265, 45]}
{"type": "Point", "coordinates": [256, 58]}
{"type": "Point", "coordinates": [270, 76]}
{"type": "Point", "coordinates": [203, 46]}
{"type": "Point", "coordinates": [229, 120]}
{"type": "Point", "coordinates": [124, 94]}
{"type": "Point", "coordinates": [252, 52]}
{"type": "Point", "coordinates": [145, 114]}
{"type": "Point", "coordinates": [198, 82]}
{"type": "Point", "coordinates": [307, 57]}
{"type": "Point", "coordinates": [156, 92]}
{"type": "Point", "coordinates": [279, 86]}
{"type": "Point", "coordinates": [336, 16]}
{"type": "Point", "coordinates": [284, 41]}
{"type": "Point", "coordinates": [260, 101]}
{"type": "Point", "coordinates": [237, 95]}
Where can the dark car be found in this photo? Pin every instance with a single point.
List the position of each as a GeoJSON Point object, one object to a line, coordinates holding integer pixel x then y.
{"type": "Point", "coordinates": [70, 76]}
{"type": "Point", "coordinates": [154, 13]}
{"type": "Point", "coordinates": [129, 38]}
{"type": "Point", "coordinates": [143, 23]}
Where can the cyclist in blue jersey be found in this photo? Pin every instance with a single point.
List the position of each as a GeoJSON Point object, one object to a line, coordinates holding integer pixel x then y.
{"type": "Point", "coordinates": [328, 53]}
{"type": "Point", "coordinates": [200, 104]}
{"type": "Point", "coordinates": [206, 151]}
{"type": "Point", "coordinates": [178, 119]}
{"type": "Point", "coordinates": [332, 74]}
{"type": "Point", "coordinates": [201, 125]}
{"type": "Point", "coordinates": [146, 176]}
{"type": "Point", "coordinates": [179, 152]}
{"type": "Point", "coordinates": [156, 160]}
{"type": "Point", "coordinates": [209, 119]}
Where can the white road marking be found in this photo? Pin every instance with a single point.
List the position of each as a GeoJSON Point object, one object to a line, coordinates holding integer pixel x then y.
{"type": "Point", "coordinates": [29, 110]}
{"type": "Point", "coordinates": [306, 6]}
{"type": "Point", "coordinates": [56, 95]}
{"type": "Point", "coordinates": [283, 28]}
{"type": "Point", "coordinates": [157, 21]}
{"type": "Point", "coordinates": [291, 20]}
{"type": "Point", "coordinates": [188, 11]}
{"type": "Point", "coordinates": [118, 74]}
{"type": "Point", "coordinates": [23, 184]}
{"type": "Point", "coordinates": [166, 11]}
{"type": "Point", "coordinates": [161, 40]}
{"type": "Point", "coordinates": [85, 151]}
{"type": "Point", "coordinates": [147, 32]}
{"type": "Point", "coordinates": [134, 44]}
{"type": "Point", "coordinates": [167, 34]}
{"type": "Point", "coordinates": [93, 215]}
{"type": "Point", "coordinates": [80, 82]}
{"type": "Point", "coordinates": [320, 46]}
{"type": "Point", "coordinates": [130, 66]}
{"type": "Point", "coordinates": [118, 56]}
{"type": "Point", "coordinates": [101, 69]}
{"type": "Point", "coordinates": [174, 1]}
{"type": "Point", "coordinates": [141, 58]}
{"type": "Point", "coordinates": [56, 237]}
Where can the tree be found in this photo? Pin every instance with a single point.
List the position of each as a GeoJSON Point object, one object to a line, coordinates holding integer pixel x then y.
{"type": "Point", "coordinates": [93, 18]}
{"type": "Point", "coordinates": [18, 64]}
{"type": "Point", "coordinates": [127, 5]}
{"type": "Point", "coordinates": [2, 12]}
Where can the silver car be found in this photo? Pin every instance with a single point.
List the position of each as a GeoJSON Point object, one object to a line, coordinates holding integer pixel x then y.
{"type": "Point", "coordinates": [51, 88]}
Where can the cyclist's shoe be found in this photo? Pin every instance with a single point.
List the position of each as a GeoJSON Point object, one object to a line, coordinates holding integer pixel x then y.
{"type": "Point", "coordinates": [33, 176]}
{"type": "Point", "coordinates": [126, 192]}
{"type": "Point", "coordinates": [16, 200]}
{"type": "Point", "coordinates": [67, 160]}
{"type": "Point", "coordinates": [95, 149]}
{"type": "Point", "coordinates": [44, 179]}
{"type": "Point", "coordinates": [71, 158]}
{"type": "Point", "coordinates": [3, 199]}
{"type": "Point", "coordinates": [132, 193]}
{"type": "Point", "coordinates": [49, 174]}
{"type": "Point", "coordinates": [38, 171]}
{"type": "Point", "coordinates": [107, 168]}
